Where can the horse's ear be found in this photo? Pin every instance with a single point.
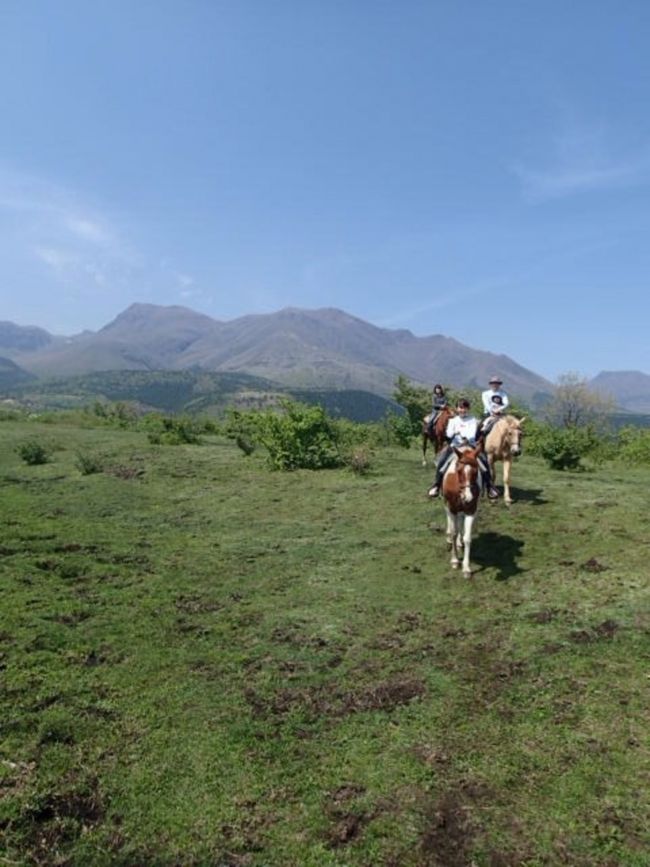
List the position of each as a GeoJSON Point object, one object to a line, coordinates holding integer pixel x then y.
{"type": "Point", "coordinates": [522, 420]}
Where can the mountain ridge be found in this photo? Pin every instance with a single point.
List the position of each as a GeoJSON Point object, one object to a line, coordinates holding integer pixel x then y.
{"type": "Point", "coordinates": [317, 348]}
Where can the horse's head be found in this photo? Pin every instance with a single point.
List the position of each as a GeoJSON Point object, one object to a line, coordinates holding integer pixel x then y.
{"type": "Point", "coordinates": [515, 434]}
{"type": "Point", "coordinates": [467, 470]}
{"type": "Point", "coordinates": [504, 439]}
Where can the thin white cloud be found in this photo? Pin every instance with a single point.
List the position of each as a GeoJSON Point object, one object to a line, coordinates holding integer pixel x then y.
{"type": "Point", "coordinates": [56, 259]}
{"type": "Point", "coordinates": [411, 315]}
{"type": "Point", "coordinates": [77, 248]}
{"type": "Point", "coordinates": [583, 159]}
{"type": "Point", "coordinates": [89, 230]}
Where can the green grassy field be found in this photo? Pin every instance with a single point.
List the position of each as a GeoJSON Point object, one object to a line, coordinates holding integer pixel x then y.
{"type": "Point", "coordinates": [204, 662]}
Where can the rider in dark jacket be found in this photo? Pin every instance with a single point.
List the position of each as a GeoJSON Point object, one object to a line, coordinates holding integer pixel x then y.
{"type": "Point", "coordinates": [439, 403]}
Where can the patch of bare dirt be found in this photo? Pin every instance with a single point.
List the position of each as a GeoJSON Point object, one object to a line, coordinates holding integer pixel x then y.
{"type": "Point", "coordinates": [593, 565]}
{"type": "Point", "coordinates": [346, 823]}
{"type": "Point", "coordinates": [447, 838]}
{"type": "Point", "coordinates": [294, 634]}
{"type": "Point", "coordinates": [54, 820]}
{"type": "Point", "coordinates": [604, 631]}
{"type": "Point", "coordinates": [195, 604]}
{"type": "Point", "coordinates": [387, 641]}
{"type": "Point", "coordinates": [74, 547]}
{"type": "Point", "coordinates": [122, 471]}
{"type": "Point", "coordinates": [325, 700]}
{"type": "Point", "coordinates": [546, 615]}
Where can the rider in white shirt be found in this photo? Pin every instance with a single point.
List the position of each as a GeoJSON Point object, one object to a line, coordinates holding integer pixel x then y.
{"type": "Point", "coordinates": [488, 395]}
{"type": "Point", "coordinates": [463, 429]}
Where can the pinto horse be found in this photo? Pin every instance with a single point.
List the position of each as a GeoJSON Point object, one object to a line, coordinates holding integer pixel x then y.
{"type": "Point", "coordinates": [461, 488]}
{"type": "Point", "coordinates": [503, 443]}
{"type": "Point", "coordinates": [437, 436]}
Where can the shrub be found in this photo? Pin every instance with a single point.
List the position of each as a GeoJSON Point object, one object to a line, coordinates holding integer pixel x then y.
{"type": "Point", "coordinates": [244, 424]}
{"type": "Point", "coordinates": [353, 433]}
{"type": "Point", "coordinates": [246, 445]}
{"type": "Point", "coordinates": [415, 399]}
{"type": "Point", "coordinates": [634, 444]}
{"type": "Point", "coordinates": [360, 460]}
{"type": "Point", "coordinates": [564, 448]}
{"type": "Point", "coordinates": [87, 464]}
{"type": "Point", "coordinates": [400, 429]}
{"type": "Point", "coordinates": [165, 430]}
{"type": "Point", "coordinates": [33, 452]}
{"type": "Point", "coordinates": [300, 437]}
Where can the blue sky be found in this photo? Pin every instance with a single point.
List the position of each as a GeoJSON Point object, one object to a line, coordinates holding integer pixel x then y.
{"type": "Point", "coordinates": [479, 170]}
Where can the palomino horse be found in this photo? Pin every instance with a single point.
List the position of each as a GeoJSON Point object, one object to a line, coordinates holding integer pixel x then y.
{"type": "Point", "coordinates": [503, 443]}
{"type": "Point", "coordinates": [438, 435]}
{"type": "Point", "coordinates": [461, 489]}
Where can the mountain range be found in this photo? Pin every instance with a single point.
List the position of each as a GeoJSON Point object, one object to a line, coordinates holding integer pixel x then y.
{"type": "Point", "coordinates": [323, 349]}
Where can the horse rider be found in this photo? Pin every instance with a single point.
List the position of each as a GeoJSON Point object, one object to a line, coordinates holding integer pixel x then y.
{"type": "Point", "coordinates": [496, 412]}
{"type": "Point", "coordinates": [439, 403]}
{"type": "Point", "coordinates": [488, 396]}
{"type": "Point", "coordinates": [463, 429]}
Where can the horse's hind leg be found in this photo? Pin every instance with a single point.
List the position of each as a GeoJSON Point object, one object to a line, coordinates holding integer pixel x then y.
{"type": "Point", "coordinates": [424, 450]}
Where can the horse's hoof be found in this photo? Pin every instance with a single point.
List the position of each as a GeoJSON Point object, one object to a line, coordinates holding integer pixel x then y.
{"type": "Point", "coordinates": [424, 463]}
{"type": "Point", "coordinates": [467, 574]}
{"type": "Point", "coordinates": [454, 565]}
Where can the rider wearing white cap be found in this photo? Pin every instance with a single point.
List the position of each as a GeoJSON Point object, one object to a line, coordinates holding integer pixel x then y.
{"type": "Point", "coordinates": [488, 395]}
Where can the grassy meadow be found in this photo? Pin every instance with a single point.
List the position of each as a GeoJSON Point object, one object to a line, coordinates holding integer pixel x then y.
{"type": "Point", "coordinates": [203, 662]}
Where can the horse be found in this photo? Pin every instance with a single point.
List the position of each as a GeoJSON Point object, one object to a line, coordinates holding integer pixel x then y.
{"type": "Point", "coordinates": [461, 489]}
{"type": "Point", "coordinates": [437, 436]}
{"type": "Point", "coordinates": [503, 443]}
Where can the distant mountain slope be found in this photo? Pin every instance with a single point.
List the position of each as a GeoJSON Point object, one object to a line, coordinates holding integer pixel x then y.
{"type": "Point", "coordinates": [143, 337]}
{"type": "Point", "coordinates": [195, 392]}
{"type": "Point", "coordinates": [22, 338]}
{"type": "Point", "coordinates": [629, 388]}
{"type": "Point", "coordinates": [12, 375]}
{"type": "Point", "coordinates": [323, 349]}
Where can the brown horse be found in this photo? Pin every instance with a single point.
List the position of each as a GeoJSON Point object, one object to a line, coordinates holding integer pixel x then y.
{"type": "Point", "coordinates": [503, 443]}
{"type": "Point", "coordinates": [437, 437]}
{"type": "Point", "coordinates": [461, 489]}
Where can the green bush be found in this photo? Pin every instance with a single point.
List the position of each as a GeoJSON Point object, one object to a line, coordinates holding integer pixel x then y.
{"type": "Point", "coordinates": [121, 414]}
{"type": "Point", "coordinates": [170, 431]}
{"type": "Point", "coordinates": [242, 423]}
{"type": "Point", "coordinates": [564, 448]}
{"type": "Point", "coordinates": [400, 429]}
{"type": "Point", "coordinates": [634, 444]}
{"type": "Point", "coordinates": [353, 433]}
{"type": "Point", "coordinates": [87, 463]}
{"type": "Point", "coordinates": [33, 452]}
{"type": "Point", "coordinates": [300, 437]}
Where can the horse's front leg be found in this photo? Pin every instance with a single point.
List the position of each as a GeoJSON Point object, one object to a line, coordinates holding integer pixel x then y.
{"type": "Point", "coordinates": [467, 542]}
{"type": "Point", "coordinates": [424, 450]}
{"type": "Point", "coordinates": [452, 537]}
{"type": "Point", "coordinates": [507, 465]}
